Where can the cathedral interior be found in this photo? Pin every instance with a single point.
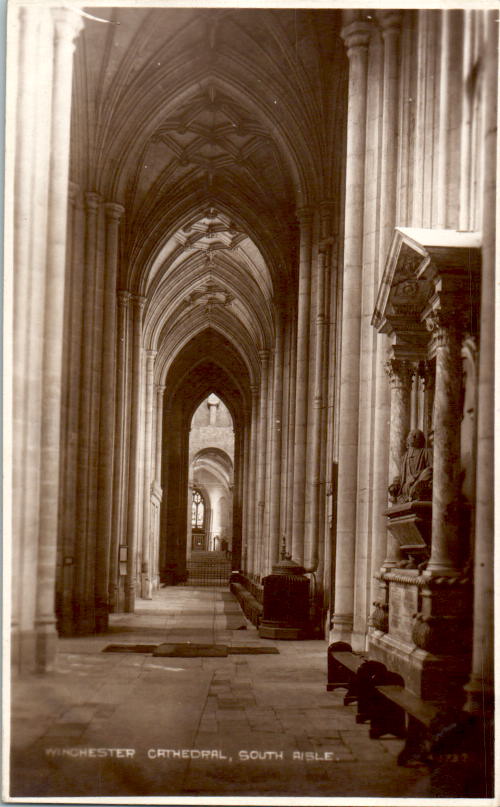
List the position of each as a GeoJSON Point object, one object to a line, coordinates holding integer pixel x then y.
{"type": "Point", "coordinates": [251, 258]}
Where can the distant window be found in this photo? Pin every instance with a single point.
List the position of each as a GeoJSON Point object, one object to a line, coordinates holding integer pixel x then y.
{"type": "Point", "coordinates": [197, 510]}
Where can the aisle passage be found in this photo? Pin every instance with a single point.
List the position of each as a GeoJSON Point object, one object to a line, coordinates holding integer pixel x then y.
{"type": "Point", "coordinates": [133, 724]}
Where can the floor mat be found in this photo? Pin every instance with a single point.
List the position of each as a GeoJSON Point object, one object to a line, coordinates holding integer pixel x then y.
{"type": "Point", "coordinates": [190, 650]}
{"type": "Point", "coordinates": [130, 648]}
{"type": "Point", "coordinates": [250, 651]}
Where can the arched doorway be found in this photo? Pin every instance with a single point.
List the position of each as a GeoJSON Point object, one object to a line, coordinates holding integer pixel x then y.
{"type": "Point", "coordinates": [211, 475]}
{"type": "Point", "coordinates": [190, 388]}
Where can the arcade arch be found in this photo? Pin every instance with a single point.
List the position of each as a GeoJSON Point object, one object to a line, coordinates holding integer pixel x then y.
{"type": "Point", "coordinates": [211, 465]}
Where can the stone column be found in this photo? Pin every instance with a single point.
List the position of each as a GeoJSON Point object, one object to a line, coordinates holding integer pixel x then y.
{"type": "Point", "coordinates": [84, 555]}
{"type": "Point", "coordinates": [415, 388]}
{"type": "Point", "coordinates": [67, 25]}
{"type": "Point", "coordinates": [285, 426]}
{"type": "Point", "coordinates": [23, 224]}
{"type": "Point", "coordinates": [146, 572]}
{"type": "Point", "coordinates": [31, 178]}
{"type": "Point", "coordinates": [134, 454]}
{"type": "Point", "coordinates": [69, 429]}
{"type": "Point", "coordinates": [23, 180]}
{"type": "Point", "coordinates": [288, 493]}
{"type": "Point", "coordinates": [305, 217]}
{"type": "Point", "coordinates": [384, 441]}
{"type": "Point", "coordinates": [246, 461]}
{"type": "Point", "coordinates": [480, 688]}
{"type": "Point", "coordinates": [275, 489]}
{"type": "Point", "coordinates": [446, 327]}
{"type": "Point", "coordinates": [464, 220]}
{"type": "Point", "coordinates": [160, 389]}
{"type": "Point", "coordinates": [270, 408]}
{"type": "Point", "coordinates": [237, 498]}
{"type": "Point", "coordinates": [107, 417]}
{"type": "Point", "coordinates": [328, 213]}
{"type": "Point", "coordinates": [262, 460]}
{"type": "Point", "coordinates": [212, 411]}
{"type": "Point", "coordinates": [164, 553]}
{"type": "Point", "coordinates": [252, 503]}
{"type": "Point", "coordinates": [356, 35]}
{"type": "Point", "coordinates": [25, 119]}
{"type": "Point", "coordinates": [314, 460]}
{"type": "Point", "coordinates": [400, 374]}
{"type": "Point", "coordinates": [118, 535]}
{"type": "Point", "coordinates": [427, 375]}
{"type": "Point", "coordinates": [446, 47]}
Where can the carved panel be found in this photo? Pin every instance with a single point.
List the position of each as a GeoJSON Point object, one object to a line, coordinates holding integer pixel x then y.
{"type": "Point", "coordinates": [403, 603]}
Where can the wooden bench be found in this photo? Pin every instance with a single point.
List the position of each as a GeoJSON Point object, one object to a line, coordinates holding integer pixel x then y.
{"type": "Point", "coordinates": [343, 666]}
{"type": "Point", "coordinates": [382, 700]}
{"type": "Point", "coordinates": [248, 604]}
{"type": "Point", "coordinates": [397, 711]}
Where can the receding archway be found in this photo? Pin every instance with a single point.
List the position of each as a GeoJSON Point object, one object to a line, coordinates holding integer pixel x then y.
{"type": "Point", "coordinates": [211, 469]}
{"type": "Point", "coordinates": [209, 364]}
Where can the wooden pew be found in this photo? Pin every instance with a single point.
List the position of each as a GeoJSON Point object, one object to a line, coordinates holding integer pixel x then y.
{"type": "Point", "coordinates": [343, 666]}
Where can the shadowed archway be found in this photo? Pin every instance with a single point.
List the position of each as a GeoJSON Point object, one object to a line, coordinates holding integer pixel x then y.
{"type": "Point", "coordinates": [208, 364]}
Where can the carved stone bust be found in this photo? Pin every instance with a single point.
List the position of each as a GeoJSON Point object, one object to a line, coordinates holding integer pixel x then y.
{"type": "Point", "coordinates": [415, 480]}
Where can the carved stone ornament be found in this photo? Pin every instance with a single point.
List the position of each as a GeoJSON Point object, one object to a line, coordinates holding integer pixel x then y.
{"type": "Point", "coordinates": [210, 295]}
{"type": "Point", "coordinates": [441, 635]}
{"type": "Point", "coordinates": [400, 373]}
{"type": "Point", "coordinates": [415, 480]}
{"type": "Point", "coordinates": [418, 270]}
{"type": "Point", "coordinates": [380, 616]}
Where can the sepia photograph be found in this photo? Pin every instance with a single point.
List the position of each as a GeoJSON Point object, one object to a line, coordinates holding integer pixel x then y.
{"type": "Point", "coordinates": [249, 399]}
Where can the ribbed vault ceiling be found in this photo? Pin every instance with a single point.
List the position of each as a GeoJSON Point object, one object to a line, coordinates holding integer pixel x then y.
{"type": "Point", "coordinates": [211, 127]}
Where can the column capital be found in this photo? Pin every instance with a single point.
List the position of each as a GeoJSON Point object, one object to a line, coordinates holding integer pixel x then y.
{"type": "Point", "coordinates": [92, 201]}
{"type": "Point", "coordinates": [151, 354]}
{"type": "Point", "coordinates": [68, 23]}
{"type": "Point", "coordinates": [445, 324]}
{"type": "Point", "coordinates": [304, 215]}
{"type": "Point", "coordinates": [138, 301]}
{"type": "Point", "coordinates": [400, 372]}
{"type": "Point", "coordinates": [426, 372]}
{"type": "Point", "coordinates": [264, 356]}
{"type": "Point", "coordinates": [326, 210]}
{"type": "Point", "coordinates": [160, 388]}
{"type": "Point", "coordinates": [113, 211]}
{"type": "Point", "coordinates": [389, 20]}
{"type": "Point", "coordinates": [123, 298]}
{"type": "Point", "coordinates": [254, 389]}
{"type": "Point", "coordinates": [326, 207]}
{"type": "Point", "coordinates": [356, 36]}
{"type": "Point", "coordinates": [324, 245]}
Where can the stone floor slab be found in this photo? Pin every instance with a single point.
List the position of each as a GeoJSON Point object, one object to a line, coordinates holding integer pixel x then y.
{"type": "Point", "coordinates": [257, 718]}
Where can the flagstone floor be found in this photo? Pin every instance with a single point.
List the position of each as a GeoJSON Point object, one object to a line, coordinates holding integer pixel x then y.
{"type": "Point", "coordinates": [134, 725]}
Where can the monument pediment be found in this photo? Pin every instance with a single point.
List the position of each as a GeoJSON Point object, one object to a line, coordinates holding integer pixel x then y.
{"type": "Point", "coordinates": [417, 259]}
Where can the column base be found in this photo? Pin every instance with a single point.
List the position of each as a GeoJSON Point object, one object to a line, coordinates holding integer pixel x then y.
{"type": "Point", "coordinates": [146, 587]}
{"type": "Point", "coordinates": [112, 597]}
{"type": "Point", "coordinates": [84, 620]}
{"type": "Point", "coordinates": [101, 619]}
{"type": "Point", "coordinates": [273, 630]}
{"type": "Point", "coordinates": [23, 651]}
{"type": "Point", "coordinates": [358, 642]}
{"type": "Point", "coordinates": [480, 697]}
{"type": "Point", "coordinates": [45, 647]}
{"type": "Point", "coordinates": [129, 599]}
{"type": "Point", "coordinates": [342, 627]}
